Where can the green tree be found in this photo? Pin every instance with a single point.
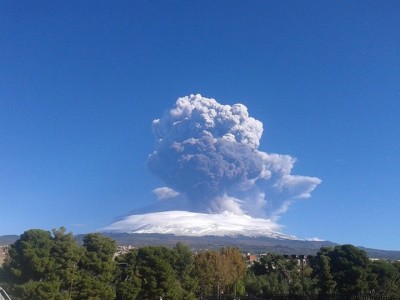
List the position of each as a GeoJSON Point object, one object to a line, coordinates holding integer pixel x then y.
{"type": "Point", "coordinates": [323, 275]}
{"type": "Point", "coordinates": [277, 273]}
{"type": "Point", "coordinates": [155, 267]}
{"type": "Point", "coordinates": [41, 264]}
{"type": "Point", "coordinates": [30, 256]}
{"type": "Point", "coordinates": [184, 266]}
{"type": "Point", "coordinates": [66, 254]}
{"type": "Point", "coordinates": [129, 284]}
{"type": "Point", "coordinates": [29, 270]}
{"type": "Point", "coordinates": [349, 267]}
{"type": "Point", "coordinates": [96, 269]}
{"type": "Point", "coordinates": [387, 278]}
{"type": "Point", "coordinates": [254, 284]}
{"type": "Point", "coordinates": [153, 272]}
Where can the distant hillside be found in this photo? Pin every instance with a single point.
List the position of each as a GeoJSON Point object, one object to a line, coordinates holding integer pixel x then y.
{"type": "Point", "coordinates": [382, 254]}
{"type": "Point", "coordinates": [246, 244]}
{"type": "Point", "coordinates": [8, 239]}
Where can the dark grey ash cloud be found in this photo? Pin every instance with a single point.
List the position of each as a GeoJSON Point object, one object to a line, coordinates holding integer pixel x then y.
{"type": "Point", "coordinates": [208, 154]}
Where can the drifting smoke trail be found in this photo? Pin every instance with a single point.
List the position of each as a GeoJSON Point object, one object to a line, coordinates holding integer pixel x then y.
{"type": "Point", "coordinates": [207, 154]}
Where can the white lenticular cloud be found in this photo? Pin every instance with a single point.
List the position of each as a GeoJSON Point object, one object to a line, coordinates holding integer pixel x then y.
{"type": "Point", "coordinates": [207, 154]}
{"type": "Point", "coordinates": [197, 224]}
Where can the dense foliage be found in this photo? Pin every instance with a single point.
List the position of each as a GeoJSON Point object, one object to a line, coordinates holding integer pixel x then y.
{"type": "Point", "coordinates": [53, 265]}
{"type": "Point", "coordinates": [44, 265]}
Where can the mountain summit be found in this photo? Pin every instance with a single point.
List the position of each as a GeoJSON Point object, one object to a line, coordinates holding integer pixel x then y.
{"type": "Point", "coordinates": [184, 223]}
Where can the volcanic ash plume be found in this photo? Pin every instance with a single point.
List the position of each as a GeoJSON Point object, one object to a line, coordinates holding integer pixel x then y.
{"type": "Point", "coordinates": [207, 154]}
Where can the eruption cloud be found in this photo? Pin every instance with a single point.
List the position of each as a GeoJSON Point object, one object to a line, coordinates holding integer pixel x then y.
{"type": "Point", "coordinates": [207, 154]}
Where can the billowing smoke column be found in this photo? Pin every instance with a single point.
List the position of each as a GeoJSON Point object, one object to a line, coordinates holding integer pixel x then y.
{"type": "Point", "coordinates": [207, 154]}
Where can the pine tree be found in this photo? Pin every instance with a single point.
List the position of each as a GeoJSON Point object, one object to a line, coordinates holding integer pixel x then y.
{"type": "Point", "coordinates": [96, 270]}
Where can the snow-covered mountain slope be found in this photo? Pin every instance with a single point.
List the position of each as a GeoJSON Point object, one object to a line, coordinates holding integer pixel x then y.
{"type": "Point", "coordinates": [184, 223]}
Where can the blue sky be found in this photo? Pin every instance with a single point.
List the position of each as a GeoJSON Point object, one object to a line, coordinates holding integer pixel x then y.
{"type": "Point", "coordinates": [81, 82]}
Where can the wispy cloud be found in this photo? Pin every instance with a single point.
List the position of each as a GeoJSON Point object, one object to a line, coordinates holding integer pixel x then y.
{"type": "Point", "coordinates": [164, 192]}
{"type": "Point", "coordinates": [78, 225]}
{"type": "Point", "coordinates": [315, 239]}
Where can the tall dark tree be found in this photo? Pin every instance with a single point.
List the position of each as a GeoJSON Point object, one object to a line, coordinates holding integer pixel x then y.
{"type": "Point", "coordinates": [387, 278]}
{"type": "Point", "coordinates": [96, 269]}
{"type": "Point", "coordinates": [184, 266]}
{"type": "Point", "coordinates": [280, 274]}
{"type": "Point", "coordinates": [277, 274]}
{"type": "Point", "coordinates": [323, 275]}
{"type": "Point", "coordinates": [30, 256]}
{"type": "Point", "coordinates": [254, 284]}
{"type": "Point", "coordinates": [349, 267]}
{"type": "Point", "coordinates": [128, 284]}
{"type": "Point", "coordinates": [41, 264]}
{"type": "Point", "coordinates": [66, 254]}
{"type": "Point", "coordinates": [155, 267]}
{"type": "Point", "coordinates": [30, 267]}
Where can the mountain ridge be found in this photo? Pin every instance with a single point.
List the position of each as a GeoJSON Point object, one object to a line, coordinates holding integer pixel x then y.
{"type": "Point", "coordinates": [246, 244]}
